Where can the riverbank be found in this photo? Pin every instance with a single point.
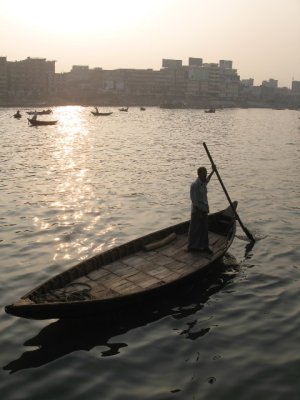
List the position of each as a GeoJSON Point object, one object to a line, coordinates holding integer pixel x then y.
{"type": "Point", "coordinates": [146, 101]}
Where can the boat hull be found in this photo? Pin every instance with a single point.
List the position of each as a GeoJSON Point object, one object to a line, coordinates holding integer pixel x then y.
{"type": "Point", "coordinates": [44, 112]}
{"type": "Point", "coordinates": [40, 123]}
{"type": "Point", "coordinates": [101, 114]}
{"type": "Point", "coordinates": [155, 265]}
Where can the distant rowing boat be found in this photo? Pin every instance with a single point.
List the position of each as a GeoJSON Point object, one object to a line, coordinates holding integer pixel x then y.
{"type": "Point", "coordinates": [36, 122]}
{"type": "Point", "coordinates": [101, 114]}
{"type": "Point", "coordinates": [44, 112]}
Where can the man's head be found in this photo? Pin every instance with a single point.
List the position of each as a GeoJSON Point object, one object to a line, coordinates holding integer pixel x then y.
{"type": "Point", "coordinates": [202, 173]}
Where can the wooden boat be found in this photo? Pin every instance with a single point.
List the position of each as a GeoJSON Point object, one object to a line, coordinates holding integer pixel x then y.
{"type": "Point", "coordinates": [211, 110]}
{"type": "Point", "coordinates": [43, 112]}
{"type": "Point", "coordinates": [17, 115]}
{"type": "Point", "coordinates": [142, 108]}
{"type": "Point", "coordinates": [138, 272]}
{"type": "Point", "coordinates": [123, 109]}
{"type": "Point", "coordinates": [36, 122]}
{"type": "Point", "coordinates": [101, 114]}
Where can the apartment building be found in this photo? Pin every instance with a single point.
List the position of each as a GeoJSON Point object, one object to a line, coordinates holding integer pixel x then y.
{"type": "Point", "coordinates": [197, 83]}
{"type": "Point", "coordinates": [173, 80]}
{"type": "Point", "coordinates": [296, 87]}
{"type": "Point", "coordinates": [33, 78]}
{"type": "Point", "coordinates": [3, 78]}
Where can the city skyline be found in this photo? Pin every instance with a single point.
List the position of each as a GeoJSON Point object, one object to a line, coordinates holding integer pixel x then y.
{"type": "Point", "coordinates": [261, 38]}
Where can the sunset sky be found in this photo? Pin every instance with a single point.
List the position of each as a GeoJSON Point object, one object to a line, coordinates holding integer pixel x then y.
{"type": "Point", "coordinates": [261, 37]}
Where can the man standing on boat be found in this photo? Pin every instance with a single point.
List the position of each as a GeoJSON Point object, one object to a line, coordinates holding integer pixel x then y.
{"type": "Point", "coordinates": [198, 230]}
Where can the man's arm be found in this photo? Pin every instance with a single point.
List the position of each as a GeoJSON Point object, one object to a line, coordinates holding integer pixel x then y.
{"type": "Point", "coordinates": [211, 174]}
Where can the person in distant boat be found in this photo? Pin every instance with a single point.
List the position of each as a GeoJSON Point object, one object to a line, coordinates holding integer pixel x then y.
{"type": "Point", "coordinates": [18, 114]}
{"type": "Point", "coordinates": [96, 108]}
{"type": "Point", "coordinates": [198, 229]}
{"type": "Point", "coordinates": [34, 117]}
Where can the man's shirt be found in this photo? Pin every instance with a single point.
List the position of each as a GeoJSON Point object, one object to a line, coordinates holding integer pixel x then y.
{"type": "Point", "coordinates": [198, 194]}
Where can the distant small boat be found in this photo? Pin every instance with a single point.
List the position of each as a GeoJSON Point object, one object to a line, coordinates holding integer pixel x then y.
{"type": "Point", "coordinates": [211, 110]}
{"type": "Point", "coordinates": [18, 115]}
{"type": "Point", "coordinates": [36, 122]}
{"type": "Point", "coordinates": [101, 114]}
{"type": "Point", "coordinates": [44, 112]}
{"type": "Point", "coordinates": [123, 109]}
{"type": "Point", "coordinates": [142, 108]}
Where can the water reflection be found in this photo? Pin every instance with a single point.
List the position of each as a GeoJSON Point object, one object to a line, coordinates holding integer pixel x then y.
{"type": "Point", "coordinates": [66, 336]}
{"type": "Point", "coordinates": [70, 183]}
{"type": "Point", "coordinates": [71, 120]}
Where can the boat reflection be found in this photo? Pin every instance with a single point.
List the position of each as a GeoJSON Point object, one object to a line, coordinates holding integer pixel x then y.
{"type": "Point", "coordinates": [63, 337]}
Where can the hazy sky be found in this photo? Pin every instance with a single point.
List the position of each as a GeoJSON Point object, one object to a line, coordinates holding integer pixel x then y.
{"type": "Point", "coordinates": [261, 37]}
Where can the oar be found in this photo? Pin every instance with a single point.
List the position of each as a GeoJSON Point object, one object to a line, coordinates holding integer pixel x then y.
{"type": "Point", "coordinates": [249, 235]}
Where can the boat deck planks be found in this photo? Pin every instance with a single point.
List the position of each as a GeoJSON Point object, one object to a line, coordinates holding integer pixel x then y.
{"type": "Point", "coordinates": [147, 270]}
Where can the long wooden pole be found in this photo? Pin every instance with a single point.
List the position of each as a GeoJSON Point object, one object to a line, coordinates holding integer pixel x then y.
{"type": "Point", "coordinates": [249, 235]}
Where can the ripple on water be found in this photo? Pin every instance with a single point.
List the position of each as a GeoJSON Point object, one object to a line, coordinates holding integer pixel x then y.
{"type": "Point", "coordinates": [73, 190]}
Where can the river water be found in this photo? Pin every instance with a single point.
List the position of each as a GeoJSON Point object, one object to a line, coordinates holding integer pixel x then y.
{"type": "Point", "coordinates": [87, 184]}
